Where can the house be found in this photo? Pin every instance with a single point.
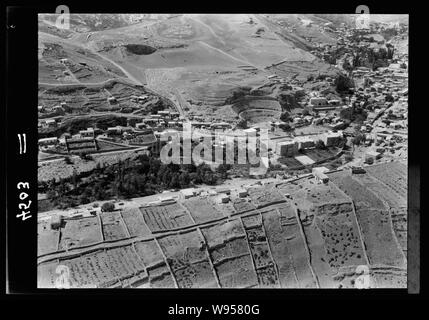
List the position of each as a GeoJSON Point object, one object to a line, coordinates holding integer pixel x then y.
{"type": "Point", "coordinates": [56, 221]}
{"type": "Point", "coordinates": [188, 193]}
{"type": "Point", "coordinates": [224, 199]}
{"type": "Point", "coordinates": [48, 141]}
{"type": "Point", "coordinates": [223, 190]}
{"type": "Point", "coordinates": [357, 170]}
{"type": "Point", "coordinates": [320, 176]}
{"type": "Point", "coordinates": [89, 132]}
{"type": "Point", "coordinates": [114, 130]}
{"type": "Point", "coordinates": [51, 123]}
{"type": "Point", "coordinates": [372, 155]}
{"type": "Point", "coordinates": [242, 193]}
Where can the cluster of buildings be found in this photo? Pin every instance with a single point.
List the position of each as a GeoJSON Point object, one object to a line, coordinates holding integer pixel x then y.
{"type": "Point", "coordinates": [291, 147]}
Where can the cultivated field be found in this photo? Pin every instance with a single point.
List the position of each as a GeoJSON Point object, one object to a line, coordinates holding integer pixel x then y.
{"type": "Point", "coordinates": [264, 196]}
{"type": "Point", "coordinates": [80, 232]}
{"type": "Point", "coordinates": [47, 239]}
{"type": "Point", "coordinates": [113, 226]}
{"type": "Point", "coordinates": [166, 217]}
{"type": "Point", "coordinates": [202, 209]}
{"type": "Point", "coordinates": [134, 222]}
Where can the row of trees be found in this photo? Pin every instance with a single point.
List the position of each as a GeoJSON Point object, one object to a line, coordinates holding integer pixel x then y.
{"type": "Point", "coordinates": [126, 179]}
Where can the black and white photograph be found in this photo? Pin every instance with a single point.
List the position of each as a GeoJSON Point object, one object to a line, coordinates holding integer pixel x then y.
{"type": "Point", "coordinates": [222, 151]}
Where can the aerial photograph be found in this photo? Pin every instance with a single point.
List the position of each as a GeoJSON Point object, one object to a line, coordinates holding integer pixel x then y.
{"type": "Point", "coordinates": [222, 151]}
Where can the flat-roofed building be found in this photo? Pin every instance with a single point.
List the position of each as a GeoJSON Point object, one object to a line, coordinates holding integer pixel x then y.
{"type": "Point", "coordinates": [332, 138]}
{"type": "Point", "coordinates": [305, 142]}
{"type": "Point", "coordinates": [89, 132]}
{"type": "Point", "coordinates": [48, 141]}
{"type": "Point", "coordinates": [320, 176]}
{"type": "Point", "coordinates": [188, 193]}
{"type": "Point", "coordinates": [51, 123]}
{"type": "Point", "coordinates": [286, 148]}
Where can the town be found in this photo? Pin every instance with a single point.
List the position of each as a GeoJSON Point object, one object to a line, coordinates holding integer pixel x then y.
{"type": "Point", "coordinates": [117, 216]}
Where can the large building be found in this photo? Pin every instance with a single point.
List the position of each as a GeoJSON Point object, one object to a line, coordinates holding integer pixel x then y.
{"type": "Point", "coordinates": [287, 148]}
{"type": "Point", "coordinates": [305, 142]}
{"type": "Point", "coordinates": [320, 103]}
{"type": "Point", "coordinates": [332, 139]}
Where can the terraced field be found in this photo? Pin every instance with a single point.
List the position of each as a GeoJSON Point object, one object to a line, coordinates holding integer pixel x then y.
{"type": "Point", "coordinates": [299, 234]}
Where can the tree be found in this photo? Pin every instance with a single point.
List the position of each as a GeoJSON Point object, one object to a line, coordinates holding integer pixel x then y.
{"type": "Point", "coordinates": [68, 160]}
{"type": "Point", "coordinates": [85, 156]}
{"type": "Point", "coordinates": [285, 116]}
{"type": "Point", "coordinates": [108, 207]}
{"type": "Point", "coordinates": [343, 83]}
{"type": "Point", "coordinates": [358, 139]}
{"type": "Point", "coordinates": [285, 127]}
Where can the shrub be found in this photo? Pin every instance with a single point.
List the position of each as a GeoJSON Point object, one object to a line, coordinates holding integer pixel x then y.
{"type": "Point", "coordinates": [108, 207]}
{"type": "Point", "coordinates": [68, 160]}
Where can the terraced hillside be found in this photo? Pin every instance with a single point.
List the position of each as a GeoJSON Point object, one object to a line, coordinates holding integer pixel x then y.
{"type": "Point", "coordinates": [295, 234]}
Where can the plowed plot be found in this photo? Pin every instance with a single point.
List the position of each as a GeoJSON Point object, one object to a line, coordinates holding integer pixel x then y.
{"type": "Point", "coordinates": [380, 242]}
{"type": "Point", "coordinates": [237, 273]}
{"type": "Point", "coordinates": [293, 186]}
{"type": "Point", "coordinates": [79, 232]}
{"type": "Point", "coordinates": [264, 196]}
{"type": "Point", "coordinates": [149, 252]}
{"type": "Point", "coordinates": [228, 249]}
{"type": "Point", "coordinates": [288, 249]}
{"type": "Point", "coordinates": [267, 277]}
{"type": "Point", "coordinates": [202, 209]}
{"type": "Point", "coordinates": [256, 234]}
{"type": "Point", "coordinates": [252, 220]}
{"type": "Point", "coordinates": [342, 242]}
{"type": "Point", "coordinates": [399, 220]}
{"type": "Point", "coordinates": [361, 196]}
{"type": "Point", "coordinates": [391, 196]}
{"type": "Point", "coordinates": [161, 277]}
{"type": "Point", "coordinates": [113, 226]}
{"type": "Point", "coordinates": [46, 275]}
{"type": "Point", "coordinates": [219, 233]}
{"type": "Point", "coordinates": [227, 209]}
{"type": "Point", "coordinates": [261, 254]}
{"type": "Point", "coordinates": [135, 223]}
{"type": "Point", "coordinates": [325, 193]}
{"type": "Point", "coordinates": [183, 249]}
{"type": "Point", "coordinates": [166, 217]}
{"type": "Point", "coordinates": [390, 278]}
{"type": "Point", "coordinates": [319, 257]}
{"type": "Point", "coordinates": [393, 174]}
{"type": "Point", "coordinates": [124, 261]}
{"type": "Point", "coordinates": [91, 270]}
{"type": "Point", "coordinates": [196, 275]}
{"type": "Point", "coordinates": [332, 209]}
{"type": "Point", "coordinates": [242, 205]}
{"type": "Point", "coordinates": [47, 239]}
